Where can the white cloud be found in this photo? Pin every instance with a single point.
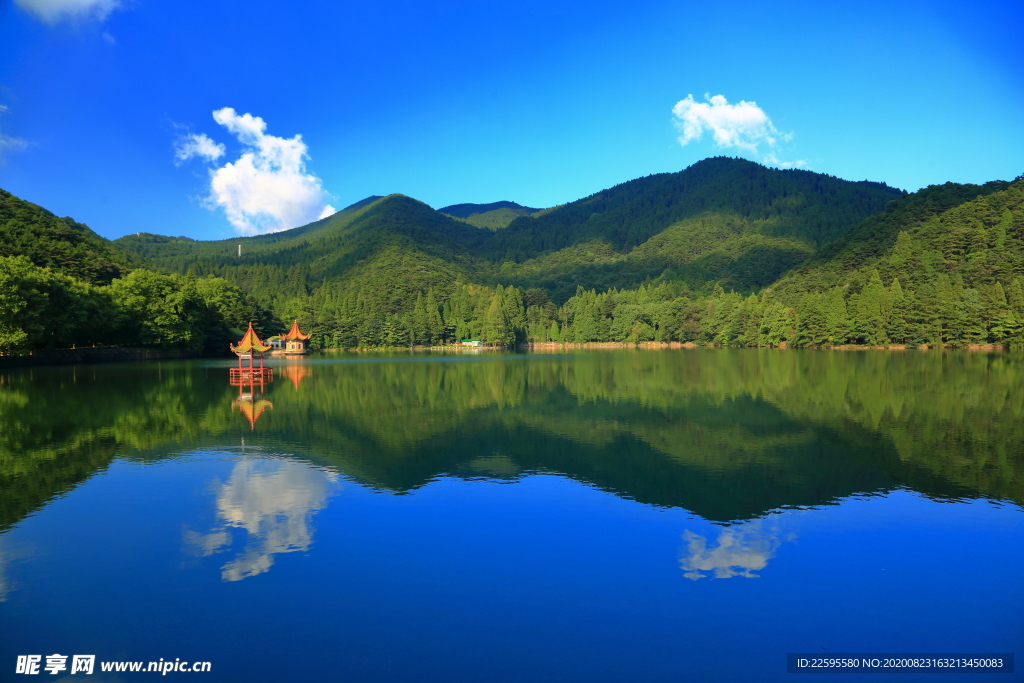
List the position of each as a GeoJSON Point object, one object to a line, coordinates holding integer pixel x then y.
{"type": "Point", "coordinates": [773, 160]}
{"type": "Point", "coordinates": [197, 145]}
{"type": "Point", "coordinates": [267, 189]}
{"type": "Point", "coordinates": [744, 126]}
{"type": "Point", "coordinates": [7, 143]}
{"type": "Point", "coordinates": [54, 11]}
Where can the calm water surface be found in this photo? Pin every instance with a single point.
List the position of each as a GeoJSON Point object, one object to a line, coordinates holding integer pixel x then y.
{"type": "Point", "coordinates": [680, 515]}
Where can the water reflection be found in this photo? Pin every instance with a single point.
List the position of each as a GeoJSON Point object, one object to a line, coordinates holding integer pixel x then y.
{"type": "Point", "coordinates": [729, 435]}
{"type": "Point", "coordinates": [272, 501]}
{"type": "Point", "coordinates": [296, 371]}
{"type": "Point", "coordinates": [251, 387]}
{"type": "Point", "coordinates": [739, 550]}
{"type": "Point", "coordinates": [252, 406]}
{"type": "Point", "coordinates": [5, 582]}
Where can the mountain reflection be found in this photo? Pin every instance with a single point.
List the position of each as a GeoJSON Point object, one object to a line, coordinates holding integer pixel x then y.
{"type": "Point", "coordinates": [730, 435]}
{"type": "Point", "coordinates": [738, 551]}
{"type": "Point", "coordinates": [272, 501]}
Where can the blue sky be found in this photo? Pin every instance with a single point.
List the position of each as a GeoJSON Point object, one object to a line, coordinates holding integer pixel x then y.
{"type": "Point", "coordinates": [107, 107]}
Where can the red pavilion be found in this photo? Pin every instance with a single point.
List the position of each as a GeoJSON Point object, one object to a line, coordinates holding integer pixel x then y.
{"type": "Point", "coordinates": [295, 341]}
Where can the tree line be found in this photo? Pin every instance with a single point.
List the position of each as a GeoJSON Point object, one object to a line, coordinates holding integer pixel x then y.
{"type": "Point", "coordinates": [942, 312]}
{"type": "Point", "coordinates": [41, 308]}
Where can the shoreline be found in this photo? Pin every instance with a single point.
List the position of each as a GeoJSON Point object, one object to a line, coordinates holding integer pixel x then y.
{"type": "Point", "coordinates": [545, 346]}
{"type": "Point", "coordinates": [92, 356]}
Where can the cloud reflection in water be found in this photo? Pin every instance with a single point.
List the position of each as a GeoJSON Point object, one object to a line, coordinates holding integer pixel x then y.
{"type": "Point", "coordinates": [273, 501]}
{"type": "Point", "coordinates": [740, 551]}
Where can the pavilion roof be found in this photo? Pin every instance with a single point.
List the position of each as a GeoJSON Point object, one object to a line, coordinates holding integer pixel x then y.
{"type": "Point", "coordinates": [250, 343]}
{"type": "Point", "coordinates": [295, 333]}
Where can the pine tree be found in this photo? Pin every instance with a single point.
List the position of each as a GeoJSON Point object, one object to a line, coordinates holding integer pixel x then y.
{"type": "Point", "coordinates": [837, 318]}
{"type": "Point", "coordinates": [973, 329]}
{"type": "Point", "coordinates": [902, 251]}
{"type": "Point", "coordinates": [584, 324]}
{"type": "Point", "coordinates": [943, 311]}
{"type": "Point", "coordinates": [418, 322]}
{"type": "Point", "coordinates": [553, 333]}
{"type": "Point", "coordinates": [870, 313]}
{"type": "Point", "coordinates": [898, 327]}
{"type": "Point", "coordinates": [515, 313]}
{"type": "Point", "coordinates": [993, 304]}
{"type": "Point", "coordinates": [1015, 296]}
{"type": "Point", "coordinates": [495, 325]}
{"type": "Point", "coordinates": [779, 325]}
{"type": "Point", "coordinates": [434, 321]}
{"type": "Point", "coordinates": [811, 330]}
{"type": "Point", "coordinates": [448, 323]}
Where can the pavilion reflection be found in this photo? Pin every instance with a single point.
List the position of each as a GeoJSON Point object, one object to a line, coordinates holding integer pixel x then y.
{"type": "Point", "coordinates": [251, 404]}
{"type": "Point", "coordinates": [272, 501]}
{"type": "Point", "coordinates": [296, 371]}
{"type": "Point", "coordinates": [739, 550]}
{"type": "Point", "coordinates": [249, 376]}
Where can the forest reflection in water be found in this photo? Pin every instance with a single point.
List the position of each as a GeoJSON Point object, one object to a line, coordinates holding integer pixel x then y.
{"type": "Point", "coordinates": [728, 434]}
{"type": "Point", "coordinates": [594, 515]}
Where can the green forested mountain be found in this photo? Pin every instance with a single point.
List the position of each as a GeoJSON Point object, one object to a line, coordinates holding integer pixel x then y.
{"type": "Point", "coordinates": [945, 265]}
{"type": "Point", "coordinates": [725, 220]}
{"type": "Point", "coordinates": [62, 285]}
{"type": "Point", "coordinates": [402, 243]}
{"type": "Point", "coordinates": [724, 252]}
{"type": "Point", "coordinates": [872, 240]}
{"type": "Point", "coordinates": [932, 269]}
{"type": "Point", "coordinates": [468, 210]}
{"type": "Point", "coordinates": [811, 207]}
{"type": "Point", "coordinates": [493, 216]}
{"type": "Point", "coordinates": [714, 247]}
{"type": "Point", "coordinates": [61, 244]}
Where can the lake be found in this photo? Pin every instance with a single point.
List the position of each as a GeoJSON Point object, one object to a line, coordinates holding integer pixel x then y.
{"type": "Point", "coordinates": [598, 515]}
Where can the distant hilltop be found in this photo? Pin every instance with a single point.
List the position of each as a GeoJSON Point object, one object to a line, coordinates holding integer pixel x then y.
{"type": "Point", "coordinates": [493, 216]}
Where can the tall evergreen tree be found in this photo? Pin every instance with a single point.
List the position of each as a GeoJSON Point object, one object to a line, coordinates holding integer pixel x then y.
{"type": "Point", "coordinates": [837, 318]}
{"type": "Point", "coordinates": [495, 325]}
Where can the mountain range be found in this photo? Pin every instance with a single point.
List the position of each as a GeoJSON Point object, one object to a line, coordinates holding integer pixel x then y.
{"type": "Point", "coordinates": [683, 247]}
{"type": "Point", "coordinates": [726, 220]}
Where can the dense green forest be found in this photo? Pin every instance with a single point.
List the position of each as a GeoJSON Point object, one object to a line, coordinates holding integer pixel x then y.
{"type": "Point", "coordinates": [61, 244]}
{"type": "Point", "coordinates": [62, 285]}
{"type": "Point", "coordinates": [725, 252]}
